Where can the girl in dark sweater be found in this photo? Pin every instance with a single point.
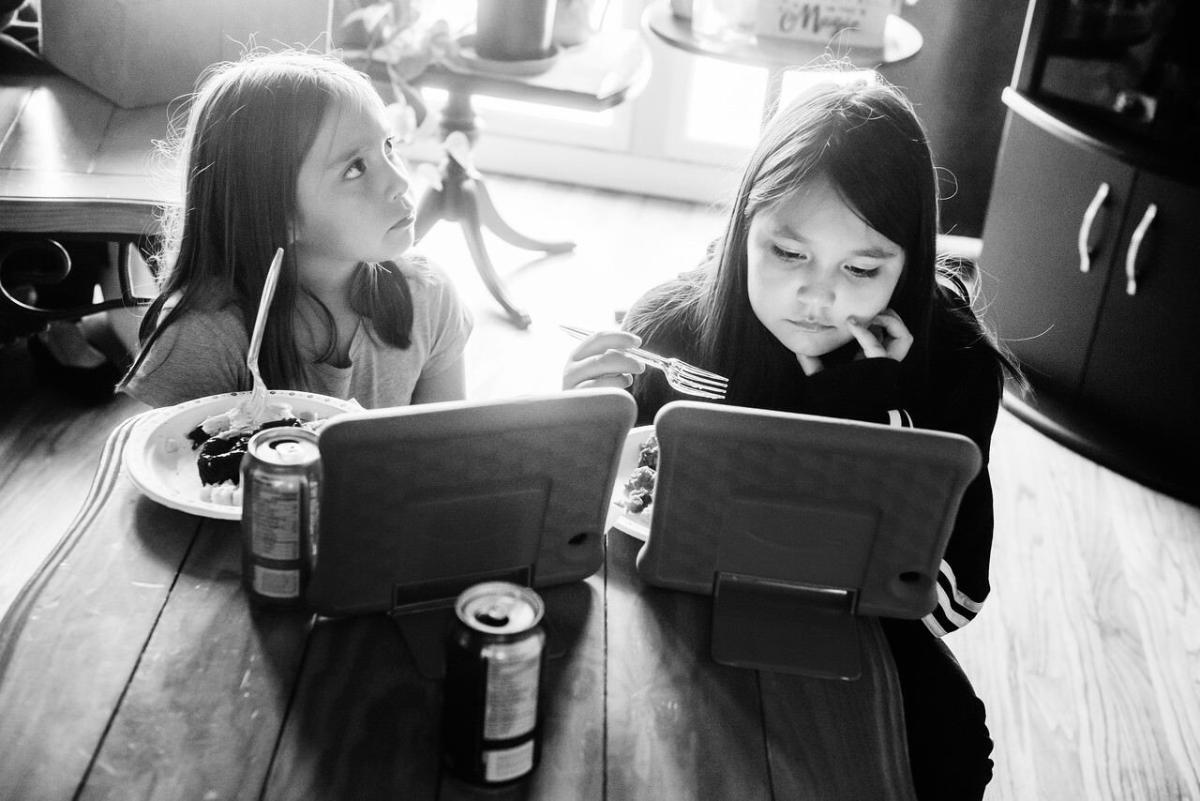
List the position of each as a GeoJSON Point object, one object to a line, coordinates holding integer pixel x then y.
{"type": "Point", "coordinates": [826, 296]}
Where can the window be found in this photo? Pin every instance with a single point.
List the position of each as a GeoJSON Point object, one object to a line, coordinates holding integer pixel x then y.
{"type": "Point", "coordinates": [684, 136]}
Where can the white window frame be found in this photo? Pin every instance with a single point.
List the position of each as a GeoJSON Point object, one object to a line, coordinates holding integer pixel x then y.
{"type": "Point", "coordinates": [640, 146]}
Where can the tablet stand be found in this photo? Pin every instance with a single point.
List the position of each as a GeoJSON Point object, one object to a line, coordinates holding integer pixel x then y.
{"type": "Point", "coordinates": [435, 496]}
{"type": "Point", "coordinates": [424, 614]}
{"type": "Point", "coordinates": [797, 524]}
{"type": "Point", "coordinates": [786, 627]}
{"type": "Point", "coordinates": [420, 502]}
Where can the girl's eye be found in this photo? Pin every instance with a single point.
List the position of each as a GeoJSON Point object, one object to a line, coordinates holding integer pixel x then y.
{"type": "Point", "coordinates": [787, 255]}
{"type": "Point", "coordinates": [357, 169]}
{"type": "Point", "coordinates": [861, 272]}
{"type": "Point", "coordinates": [390, 151]}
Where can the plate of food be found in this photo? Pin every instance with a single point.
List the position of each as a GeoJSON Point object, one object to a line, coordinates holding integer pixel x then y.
{"type": "Point", "coordinates": [630, 508]}
{"type": "Point", "coordinates": [188, 456]}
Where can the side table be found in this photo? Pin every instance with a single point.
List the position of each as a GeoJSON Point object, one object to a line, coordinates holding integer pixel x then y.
{"type": "Point", "coordinates": [606, 70]}
{"type": "Point", "coordinates": [901, 41]}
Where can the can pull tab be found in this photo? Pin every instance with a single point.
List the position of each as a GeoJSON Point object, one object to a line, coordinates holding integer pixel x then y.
{"type": "Point", "coordinates": [289, 451]}
{"type": "Point", "coordinates": [495, 616]}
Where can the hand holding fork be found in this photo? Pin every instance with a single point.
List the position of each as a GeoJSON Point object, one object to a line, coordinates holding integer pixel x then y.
{"type": "Point", "coordinates": [610, 358]}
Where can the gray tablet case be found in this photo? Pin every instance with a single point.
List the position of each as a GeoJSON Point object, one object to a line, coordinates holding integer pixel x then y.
{"type": "Point", "coordinates": [419, 502]}
{"type": "Point", "coordinates": [797, 524]}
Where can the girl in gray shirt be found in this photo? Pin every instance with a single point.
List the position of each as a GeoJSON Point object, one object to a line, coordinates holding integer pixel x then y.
{"type": "Point", "coordinates": [295, 150]}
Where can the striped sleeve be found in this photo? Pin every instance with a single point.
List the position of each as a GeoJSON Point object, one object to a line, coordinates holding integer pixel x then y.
{"type": "Point", "coordinates": [955, 608]}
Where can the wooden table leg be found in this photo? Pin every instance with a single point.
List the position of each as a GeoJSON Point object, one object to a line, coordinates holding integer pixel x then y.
{"type": "Point", "coordinates": [491, 218]}
{"type": "Point", "coordinates": [463, 197]}
{"type": "Point", "coordinates": [471, 225]}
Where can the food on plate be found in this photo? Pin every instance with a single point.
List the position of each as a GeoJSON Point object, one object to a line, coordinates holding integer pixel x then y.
{"type": "Point", "coordinates": [639, 487]}
{"type": "Point", "coordinates": [221, 440]}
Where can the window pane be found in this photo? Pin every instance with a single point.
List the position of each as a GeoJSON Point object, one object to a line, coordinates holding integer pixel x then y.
{"type": "Point", "coordinates": [796, 81]}
{"type": "Point", "coordinates": [595, 119]}
{"type": "Point", "coordinates": [725, 102]}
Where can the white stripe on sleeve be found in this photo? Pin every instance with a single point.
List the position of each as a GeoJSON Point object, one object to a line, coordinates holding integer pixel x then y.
{"type": "Point", "coordinates": [954, 609]}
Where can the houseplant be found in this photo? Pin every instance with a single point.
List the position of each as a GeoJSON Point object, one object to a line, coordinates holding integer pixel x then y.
{"type": "Point", "coordinates": [394, 41]}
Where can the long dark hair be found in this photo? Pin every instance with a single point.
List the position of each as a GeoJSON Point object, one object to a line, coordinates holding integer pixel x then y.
{"type": "Point", "coordinates": [865, 138]}
{"type": "Point", "coordinates": [249, 126]}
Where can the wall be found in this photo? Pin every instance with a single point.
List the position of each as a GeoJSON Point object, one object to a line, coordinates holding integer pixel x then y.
{"type": "Point", "coordinates": [955, 81]}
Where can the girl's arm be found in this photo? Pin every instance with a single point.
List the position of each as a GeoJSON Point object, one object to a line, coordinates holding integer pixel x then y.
{"type": "Point", "coordinates": [964, 399]}
{"type": "Point", "coordinates": [967, 402]}
{"type": "Point", "coordinates": [200, 354]}
{"type": "Point", "coordinates": [868, 388]}
{"type": "Point", "coordinates": [447, 385]}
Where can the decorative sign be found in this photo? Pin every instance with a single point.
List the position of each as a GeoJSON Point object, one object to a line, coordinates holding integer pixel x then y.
{"type": "Point", "coordinates": [857, 23]}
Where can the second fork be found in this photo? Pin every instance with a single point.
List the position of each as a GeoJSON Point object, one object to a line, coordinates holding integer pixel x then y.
{"type": "Point", "coordinates": [681, 376]}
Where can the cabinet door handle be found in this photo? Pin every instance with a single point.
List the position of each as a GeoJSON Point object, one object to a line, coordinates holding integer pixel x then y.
{"type": "Point", "coordinates": [1135, 245]}
{"type": "Point", "coordinates": [1085, 227]}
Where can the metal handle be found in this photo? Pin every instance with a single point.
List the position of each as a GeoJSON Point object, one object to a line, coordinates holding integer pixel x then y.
{"type": "Point", "coordinates": [1085, 227]}
{"type": "Point", "coordinates": [1135, 245]}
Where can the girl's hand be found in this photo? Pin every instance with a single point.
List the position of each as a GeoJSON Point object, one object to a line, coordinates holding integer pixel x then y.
{"type": "Point", "coordinates": [884, 335]}
{"type": "Point", "coordinates": [892, 341]}
{"type": "Point", "coordinates": [599, 361]}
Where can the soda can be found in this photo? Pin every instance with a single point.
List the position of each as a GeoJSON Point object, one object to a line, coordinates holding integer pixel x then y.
{"type": "Point", "coordinates": [491, 725]}
{"type": "Point", "coordinates": [281, 482]}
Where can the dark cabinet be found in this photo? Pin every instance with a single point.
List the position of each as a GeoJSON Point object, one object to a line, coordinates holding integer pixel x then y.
{"type": "Point", "coordinates": [1091, 241]}
{"type": "Point", "coordinates": [1143, 369]}
{"type": "Point", "coordinates": [1094, 283]}
{"type": "Point", "coordinates": [1047, 196]}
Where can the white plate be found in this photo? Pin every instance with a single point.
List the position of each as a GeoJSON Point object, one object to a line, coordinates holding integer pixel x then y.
{"type": "Point", "coordinates": [160, 458]}
{"type": "Point", "coordinates": [635, 525]}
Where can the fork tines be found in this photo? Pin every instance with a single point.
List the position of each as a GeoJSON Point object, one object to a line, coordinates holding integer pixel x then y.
{"type": "Point", "coordinates": [690, 384]}
{"type": "Point", "coordinates": [705, 375]}
{"type": "Point", "coordinates": [684, 377]}
{"type": "Point", "coordinates": [700, 377]}
{"type": "Point", "coordinates": [701, 382]}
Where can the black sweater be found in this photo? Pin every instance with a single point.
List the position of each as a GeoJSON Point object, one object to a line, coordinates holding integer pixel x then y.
{"type": "Point", "coordinates": [962, 397]}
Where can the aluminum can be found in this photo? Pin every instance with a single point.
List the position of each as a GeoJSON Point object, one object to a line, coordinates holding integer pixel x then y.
{"type": "Point", "coordinates": [281, 482]}
{"type": "Point", "coordinates": [491, 722]}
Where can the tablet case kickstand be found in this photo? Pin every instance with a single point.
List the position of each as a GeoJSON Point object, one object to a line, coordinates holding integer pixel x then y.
{"type": "Point", "coordinates": [424, 634]}
{"type": "Point", "coordinates": [786, 627]}
{"type": "Point", "coordinates": [424, 616]}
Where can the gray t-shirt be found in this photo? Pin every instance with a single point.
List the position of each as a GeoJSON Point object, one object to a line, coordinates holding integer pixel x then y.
{"type": "Point", "coordinates": [204, 353]}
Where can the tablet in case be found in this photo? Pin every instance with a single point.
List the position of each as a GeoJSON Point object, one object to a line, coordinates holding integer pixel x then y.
{"type": "Point", "coordinates": [797, 524]}
{"type": "Point", "coordinates": [422, 501]}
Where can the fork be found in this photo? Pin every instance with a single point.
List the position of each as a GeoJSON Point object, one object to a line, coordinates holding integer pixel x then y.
{"type": "Point", "coordinates": [258, 395]}
{"type": "Point", "coordinates": [683, 377]}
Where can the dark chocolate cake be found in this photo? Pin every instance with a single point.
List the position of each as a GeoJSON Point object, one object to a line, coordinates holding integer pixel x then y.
{"type": "Point", "coordinates": [220, 457]}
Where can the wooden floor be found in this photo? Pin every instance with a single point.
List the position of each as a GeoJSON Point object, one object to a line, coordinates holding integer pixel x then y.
{"type": "Point", "coordinates": [1087, 653]}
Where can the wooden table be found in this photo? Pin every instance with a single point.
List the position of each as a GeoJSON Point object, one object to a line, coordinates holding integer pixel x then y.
{"type": "Point", "coordinates": [73, 164]}
{"type": "Point", "coordinates": [133, 667]}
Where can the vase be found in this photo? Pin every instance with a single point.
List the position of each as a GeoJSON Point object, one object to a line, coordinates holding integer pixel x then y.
{"type": "Point", "coordinates": [514, 30]}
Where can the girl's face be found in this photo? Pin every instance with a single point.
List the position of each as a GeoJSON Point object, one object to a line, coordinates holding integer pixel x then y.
{"type": "Point", "coordinates": [353, 194]}
{"type": "Point", "coordinates": [812, 263]}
